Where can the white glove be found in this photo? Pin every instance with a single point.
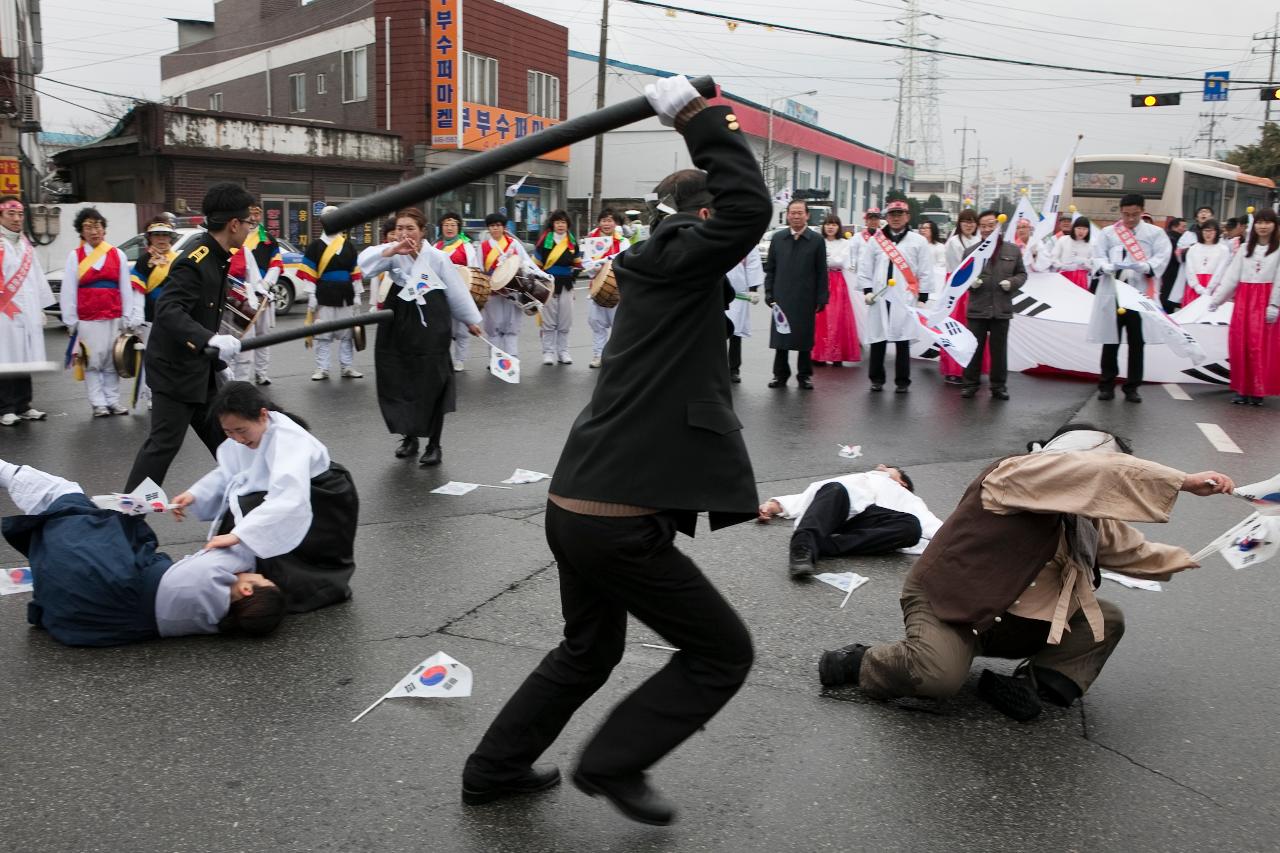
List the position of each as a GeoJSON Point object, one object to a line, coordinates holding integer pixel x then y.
{"type": "Point", "coordinates": [669, 96]}
{"type": "Point", "coordinates": [311, 302]}
{"type": "Point", "coordinates": [227, 345]}
{"type": "Point", "coordinates": [1200, 289]}
{"type": "Point", "coordinates": [755, 298]}
{"type": "Point", "coordinates": [977, 282]}
{"type": "Point", "coordinates": [1006, 285]}
{"type": "Point", "coordinates": [869, 298]}
{"type": "Point", "coordinates": [358, 300]}
{"type": "Point", "coordinates": [1273, 313]}
{"type": "Point", "coordinates": [1214, 305]}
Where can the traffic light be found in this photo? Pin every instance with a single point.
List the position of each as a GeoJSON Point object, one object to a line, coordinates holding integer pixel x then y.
{"type": "Point", "coordinates": [1168, 99]}
{"type": "Point", "coordinates": [1270, 93]}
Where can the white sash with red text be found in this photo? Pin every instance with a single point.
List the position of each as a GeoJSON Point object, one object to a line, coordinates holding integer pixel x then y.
{"type": "Point", "coordinates": [1134, 248]}
{"type": "Point", "coordinates": [15, 282]}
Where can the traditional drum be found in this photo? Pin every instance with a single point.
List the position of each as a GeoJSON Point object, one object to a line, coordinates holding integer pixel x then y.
{"type": "Point", "coordinates": [238, 315]}
{"type": "Point", "coordinates": [476, 281]}
{"type": "Point", "coordinates": [126, 354]}
{"type": "Point", "coordinates": [525, 290]}
{"type": "Point", "coordinates": [604, 287]}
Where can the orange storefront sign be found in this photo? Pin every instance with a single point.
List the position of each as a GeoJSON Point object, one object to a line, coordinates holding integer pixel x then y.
{"type": "Point", "coordinates": [444, 51]}
{"type": "Point", "coordinates": [10, 176]}
{"type": "Point", "coordinates": [485, 127]}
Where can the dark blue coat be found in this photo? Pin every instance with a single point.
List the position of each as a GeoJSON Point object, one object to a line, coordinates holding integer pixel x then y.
{"type": "Point", "coordinates": [95, 571]}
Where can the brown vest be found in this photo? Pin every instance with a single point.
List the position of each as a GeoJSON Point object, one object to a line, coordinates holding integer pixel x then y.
{"type": "Point", "coordinates": [980, 562]}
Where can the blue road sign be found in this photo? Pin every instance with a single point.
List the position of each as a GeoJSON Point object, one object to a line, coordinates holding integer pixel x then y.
{"type": "Point", "coordinates": [1215, 85]}
{"type": "Point", "coordinates": [317, 207]}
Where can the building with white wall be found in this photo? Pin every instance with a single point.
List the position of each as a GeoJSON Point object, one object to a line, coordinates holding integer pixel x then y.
{"type": "Point", "coordinates": [793, 153]}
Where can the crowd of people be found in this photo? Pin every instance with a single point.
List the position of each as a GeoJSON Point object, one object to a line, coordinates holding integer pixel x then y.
{"type": "Point", "coordinates": [1010, 573]}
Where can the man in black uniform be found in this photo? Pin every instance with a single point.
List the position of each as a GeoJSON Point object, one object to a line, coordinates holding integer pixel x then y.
{"type": "Point", "coordinates": [186, 321]}
{"type": "Point", "coordinates": [613, 512]}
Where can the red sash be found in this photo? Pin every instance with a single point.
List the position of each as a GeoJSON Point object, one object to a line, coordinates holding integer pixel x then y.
{"type": "Point", "coordinates": [1134, 248]}
{"type": "Point", "coordinates": [457, 251]}
{"type": "Point", "coordinates": [890, 248]}
{"type": "Point", "coordinates": [15, 282]}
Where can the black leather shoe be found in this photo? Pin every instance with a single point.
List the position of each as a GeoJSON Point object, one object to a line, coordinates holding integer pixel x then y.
{"type": "Point", "coordinates": [875, 387]}
{"type": "Point", "coordinates": [969, 392]}
{"type": "Point", "coordinates": [1106, 393]}
{"type": "Point", "coordinates": [1012, 696]}
{"type": "Point", "coordinates": [537, 779]}
{"type": "Point", "coordinates": [801, 562]}
{"type": "Point", "coordinates": [408, 447]}
{"type": "Point", "coordinates": [631, 795]}
{"type": "Point", "coordinates": [431, 456]}
{"type": "Point", "coordinates": [775, 382]}
{"type": "Point", "coordinates": [999, 394]}
{"type": "Point", "coordinates": [734, 377]}
{"type": "Point", "coordinates": [805, 383]}
{"type": "Point", "coordinates": [1132, 397]}
{"type": "Point", "coordinates": [841, 666]}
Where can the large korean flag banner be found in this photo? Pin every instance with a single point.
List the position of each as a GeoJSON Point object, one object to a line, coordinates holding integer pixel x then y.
{"type": "Point", "coordinates": [1155, 319]}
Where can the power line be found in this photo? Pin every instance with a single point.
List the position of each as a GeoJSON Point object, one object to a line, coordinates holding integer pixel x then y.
{"type": "Point", "coordinates": [931, 50]}
{"type": "Point", "coordinates": [18, 82]}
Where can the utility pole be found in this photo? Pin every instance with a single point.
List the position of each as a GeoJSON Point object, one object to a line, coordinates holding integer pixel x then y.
{"type": "Point", "coordinates": [1273, 37]}
{"type": "Point", "coordinates": [964, 137]}
{"type": "Point", "coordinates": [1209, 138]}
{"type": "Point", "coordinates": [1179, 150]}
{"type": "Point", "coordinates": [978, 162]}
{"type": "Point", "coordinates": [597, 176]}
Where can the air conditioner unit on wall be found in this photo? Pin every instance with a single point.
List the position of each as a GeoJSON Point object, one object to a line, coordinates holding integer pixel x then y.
{"type": "Point", "coordinates": [28, 112]}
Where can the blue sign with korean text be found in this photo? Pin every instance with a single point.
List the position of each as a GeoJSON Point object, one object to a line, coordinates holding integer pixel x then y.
{"type": "Point", "coordinates": [1215, 85]}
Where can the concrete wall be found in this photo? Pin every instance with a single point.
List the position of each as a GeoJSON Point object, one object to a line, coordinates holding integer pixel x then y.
{"type": "Point", "coordinates": [228, 133]}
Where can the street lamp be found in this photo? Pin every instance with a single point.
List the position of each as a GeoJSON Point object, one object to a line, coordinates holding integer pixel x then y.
{"type": "Point", "coordinates": [768, 146]}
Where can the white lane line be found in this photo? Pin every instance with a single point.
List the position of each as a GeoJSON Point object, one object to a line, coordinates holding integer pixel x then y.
{"type": "Point", "coordinates": [1176, 392]}
{"type": "Point", "coordinates": [1219, 439]}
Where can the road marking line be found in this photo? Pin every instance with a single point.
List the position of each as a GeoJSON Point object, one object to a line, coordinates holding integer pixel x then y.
{"type": "Point", "coordinates": [1219, 439]}
{"type": "Point", "coordinates": [1176, 392]}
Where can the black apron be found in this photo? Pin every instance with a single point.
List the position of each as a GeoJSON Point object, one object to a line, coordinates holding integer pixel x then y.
{"type": "Point", "coordinates": [414, 372]}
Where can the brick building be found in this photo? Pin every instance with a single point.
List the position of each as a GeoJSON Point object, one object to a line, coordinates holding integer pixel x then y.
{"type": "Point", "coordinates": [450, 77]}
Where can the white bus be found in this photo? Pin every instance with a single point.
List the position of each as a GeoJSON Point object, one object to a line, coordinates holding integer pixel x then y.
{"type": "Point", "coordinates": [1172, 186]}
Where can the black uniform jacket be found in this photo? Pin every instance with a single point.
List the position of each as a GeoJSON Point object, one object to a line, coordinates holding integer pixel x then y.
{"type": "Point", "coordinates": [187, 315]}
{"type": "Point", "coordinates": [660, 430]}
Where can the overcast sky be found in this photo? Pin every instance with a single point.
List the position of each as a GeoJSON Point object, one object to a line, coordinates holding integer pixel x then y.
{"type": "Point", "coordinates": [1024, 115]}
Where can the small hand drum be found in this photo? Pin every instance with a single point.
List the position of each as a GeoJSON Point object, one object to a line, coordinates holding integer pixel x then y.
{"type": "Point", "coordinates": [604, 287]}
{"type": "Point", "coordinates": [476, 281]}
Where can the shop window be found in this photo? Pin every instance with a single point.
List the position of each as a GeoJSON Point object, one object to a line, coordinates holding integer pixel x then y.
{"type": "Point", "coordinates": [355, 75]}
{"type": "Point", "coordinates": [480, 79]}
{"type": "Point", "coordinates": [544, 94]}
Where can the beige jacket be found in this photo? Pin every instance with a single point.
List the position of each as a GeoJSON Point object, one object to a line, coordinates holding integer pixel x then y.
{"type": "Point", "coordinates": [1110, 489]}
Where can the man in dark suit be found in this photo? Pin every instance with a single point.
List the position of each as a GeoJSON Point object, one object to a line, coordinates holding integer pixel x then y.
{"type": "Point", "coordinates": [186, 321]}
{"type": "Point", "coordinates": [990, 310]}
{"type": "Point", "coordinates": [795, 277]}
{"type": "Point", "coordinates": [658, 443]}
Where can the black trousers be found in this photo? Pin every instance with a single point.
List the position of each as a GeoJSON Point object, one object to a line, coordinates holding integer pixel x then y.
{"type": "Point", "coordinates": [15, 394]}
{"type": "Point", "coordinates": [735, 353]}
{"type": "Point", "coordinates": [994, 333]}
{"type": "Point", "coordinates": [1129, 323]}
{"type": "Point", "coordinates": [610, 567]}
{"type": "Point", "coordinates": [829, 532]}
{"type": "Point", "coordinates": [169, 421]}
{"type": "Point", "coordinates": [804, 364]}
{"type": "Point", "coordinates": [901, 363]}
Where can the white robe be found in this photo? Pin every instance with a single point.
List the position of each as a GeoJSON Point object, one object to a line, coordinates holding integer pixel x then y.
{"type": "Point", "coordinates": [1259, 268]}
{"type": "Point", "coordinates": [22, 338]}
{"type": "Point", "coordinates": [1107, 248]}
{"type": "Point", "coordinates": [283, 465]}
{"type": "Point", "coordinates": [1071, 254]}
{"type": "Point", "coordinates": [747, 274]}
{"type": "Point", "coordinates": [867, 489]}
{"type": "Point", "coordinates": [1210, 258]}
{"type": "Point", "coordinates": [897, 323]}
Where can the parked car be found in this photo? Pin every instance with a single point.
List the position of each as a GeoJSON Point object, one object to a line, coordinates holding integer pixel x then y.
{"type": "Point", "coordinates": [284, 292]}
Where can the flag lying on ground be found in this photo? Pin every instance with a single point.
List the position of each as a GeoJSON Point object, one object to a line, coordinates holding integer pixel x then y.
{"type": "Point", "coordinates": [1170, 331]}
{"type": "Point", "coordinates": [1250, 542]}
{"type": "Point", "coordinates": [948, 334]}
{"type": "Point", "coordinates": [13, 581]}
{"type": "Point", "coordinates": [437, 676]}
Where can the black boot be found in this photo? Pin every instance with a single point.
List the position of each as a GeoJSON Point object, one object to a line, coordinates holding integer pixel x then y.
{"type": "Point", "coordinates": [1011, 695]}
{"type": "Point", "coordinates": [801, 561]}
{"type": "Point", "coordinates": [408, 447]}
{"type": "Point", "coordinates": [431, 456]}
{"type": "Point", "coordinates": [841, 666]}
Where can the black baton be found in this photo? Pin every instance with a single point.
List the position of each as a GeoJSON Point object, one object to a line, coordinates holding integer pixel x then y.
{"type": "Point", "coordinates": [307, 331]}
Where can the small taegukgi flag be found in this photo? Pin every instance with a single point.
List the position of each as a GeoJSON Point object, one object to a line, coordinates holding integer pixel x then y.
{"type": "Point", "coordinates": [147, 498]}
{"type": "Point", "coordinates": [504, 366]}
{"type": "Point", "coordinates": [439, 676]}
{"type": "Point", "coordinates": [780, 320]}
{"type": "Point", "coordinates": [948, 334]}
{"type": "Point", "coordinates": [1264, 495]}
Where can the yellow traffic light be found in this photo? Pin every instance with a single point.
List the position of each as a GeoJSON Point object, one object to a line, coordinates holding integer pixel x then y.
{"type": "Point", "coordinates": [1149, 101]}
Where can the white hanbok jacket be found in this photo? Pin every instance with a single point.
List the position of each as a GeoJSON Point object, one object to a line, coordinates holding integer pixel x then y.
{"type": "Point", "coordinates": [22, 338]}
{"type": "Point", "coordinates": [431, 266]}
{"type": "Point", "coordinates": [1109, 251]}
{"type": "Point", "coordinates": [282, 465]}
{"type": "Point", "coordinates": [891, 318]}
{"type": "Point", "coordinates": [957, 247]}
{"type": "Point", "coordinates": [1255, 270]}
{"type": "Point", "coordinates": [747, 274]}
{"type": "Point", "coordinates": [1200, 258]}
{"type": "Point", "coordinates": [1071, 254]}
{"type": "Point", "coordinates": [866, 489]}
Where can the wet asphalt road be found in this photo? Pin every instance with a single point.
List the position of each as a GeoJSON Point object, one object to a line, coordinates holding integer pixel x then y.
{"type": "Point", "coordinates": [208, 744]}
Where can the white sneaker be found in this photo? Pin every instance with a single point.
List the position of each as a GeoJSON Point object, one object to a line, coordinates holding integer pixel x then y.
{"type": "Point", "coordinates": [565, 358]}
{"type": "Point", "coordinates": [101, 412]}
{"type": "Point", "coordinates": [319, 376]}
{"type": "Point", "coordinates": [348, 373]}
{"type": "Point", "coordinates": [595, 362]}
{"type": "Point", "coordinates": [548, 358]}
{"type": "Point", "coordinates": [459, 366]}
{"type": "Point", "coordinates": [9, 419]}
{"type": "Point", "coordinates": [118, 410]}
{"type": "Point", "coordinates": [32, 415]}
